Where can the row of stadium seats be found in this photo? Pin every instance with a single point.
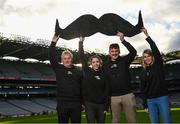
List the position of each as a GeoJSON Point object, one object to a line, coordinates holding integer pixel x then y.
{"type": "Point", "coordinates": [26, 107]}
{"type": "Point", "coordinates": [8, 109]}
{"type": "Point", "coordinates": [26, 91]}
{"type": "Point", "coordinates": [172, 71]}
{"type": "Point", "coordinates": [175, 98]}
{"type": "Point", "coordinates": [19, 107]}
{"type": "Point", "coordinates": [25, 71]}
{"type": "Point", "coordinates": [39, 71]}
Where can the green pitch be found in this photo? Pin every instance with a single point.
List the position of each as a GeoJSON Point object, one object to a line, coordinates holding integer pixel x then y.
{"type": "Point", "coordinates": [142, 117]}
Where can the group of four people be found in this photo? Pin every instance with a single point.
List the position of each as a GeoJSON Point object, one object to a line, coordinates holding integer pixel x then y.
{"type": "Point", "coordinates": [98, 86]}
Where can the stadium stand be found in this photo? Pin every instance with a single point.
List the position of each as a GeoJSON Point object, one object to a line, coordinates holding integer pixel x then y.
{"type": "Point", "coordinates": [175, 98]}
{"type": "Point", "coordinates": [45, 70]}
{"type": "Point", "coordinates": [38, 72]}
{"type": "Point", "coordinates": [28, 88]}
{"type": "Point", "coordinates": [46, 102]}
{"type": "Point", "coordinates": [27, 91]}
{"type": "Point", "coordinates": [173, 71]}
{"type": "Point", "coordinates": [7, 70]}
{"type": "Point", "coordinates": [7, 109]}
{"type": "Point", "coordinates": [135, 72]}
{"type": "Point", "coordinates": [21, 70]}
{"type": "Point", "coordinates": [20, 107]}
{"type": "Point", "coordinates": [26, 71]}
{"type": "Point", "coordinates": [29, 106]}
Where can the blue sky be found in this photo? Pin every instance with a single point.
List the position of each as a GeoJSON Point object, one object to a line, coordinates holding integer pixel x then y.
{"type": "Point", "coordinates": [36, 19]}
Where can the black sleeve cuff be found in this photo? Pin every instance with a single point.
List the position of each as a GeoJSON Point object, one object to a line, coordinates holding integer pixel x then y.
{"type": "Point", "coordinates": [124, 42]}
{"type": "Point", "coordinates": [149, 40]}
{"type": "Point", "coordinates": [53, 43]}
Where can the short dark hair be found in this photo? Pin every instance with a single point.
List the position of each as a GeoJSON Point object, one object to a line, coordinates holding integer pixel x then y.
{"type": "Point", "coordinates": [114, 46]}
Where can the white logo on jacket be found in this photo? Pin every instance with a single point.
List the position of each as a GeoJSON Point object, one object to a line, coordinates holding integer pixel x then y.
{"type": "Point", "coordinates": [114, 66]}
{"type": "Point", "coordinates": [97, 77]}
{"type": "Point", "coordinates": [69, 72]}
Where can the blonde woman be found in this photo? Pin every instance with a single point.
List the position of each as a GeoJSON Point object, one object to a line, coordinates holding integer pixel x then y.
{"type": "Point", "coordinates": [153, 85]}
{"type": "Point", "coordinates": [94, 86]}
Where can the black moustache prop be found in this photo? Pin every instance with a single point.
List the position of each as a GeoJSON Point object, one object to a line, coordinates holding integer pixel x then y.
{"type": "Point", "coordinates": [108, 24]}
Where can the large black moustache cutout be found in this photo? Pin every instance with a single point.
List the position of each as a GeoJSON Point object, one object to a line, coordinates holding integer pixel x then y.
{"type": "Point", "coordinates": [108, 24]}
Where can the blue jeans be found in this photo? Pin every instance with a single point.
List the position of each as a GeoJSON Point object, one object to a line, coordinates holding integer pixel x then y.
{"type": "Point", "coordinates": [159, 105]}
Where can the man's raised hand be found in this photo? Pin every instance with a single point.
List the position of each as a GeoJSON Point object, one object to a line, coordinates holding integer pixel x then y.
{"type": "Point", "coordinates": [121, 35]}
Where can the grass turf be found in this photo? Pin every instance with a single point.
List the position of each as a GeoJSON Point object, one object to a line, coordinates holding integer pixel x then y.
{"type": "Point", "coordinates": [142, 117]}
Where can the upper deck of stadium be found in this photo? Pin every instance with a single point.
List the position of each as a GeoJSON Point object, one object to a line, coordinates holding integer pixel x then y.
{"type": "Point", "coordinates": [23, 48]}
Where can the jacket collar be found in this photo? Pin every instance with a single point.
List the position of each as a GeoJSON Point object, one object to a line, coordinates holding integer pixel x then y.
{"type": "Point", "coordinates": [109, 59]}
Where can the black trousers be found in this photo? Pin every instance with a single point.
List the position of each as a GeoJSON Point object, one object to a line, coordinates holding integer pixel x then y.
{"type": "Point", "coordinates": [69, 111]}
{"type": "Point", "coordinates": [94, 112]}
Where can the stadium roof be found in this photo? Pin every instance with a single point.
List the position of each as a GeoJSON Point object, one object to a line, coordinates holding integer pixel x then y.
{"type": "Point", "coordinates": [23, 48]}
{"type": "Point", "coordinates": [173, 61]}
{"type": "Point", "coordinates": [20, 48]}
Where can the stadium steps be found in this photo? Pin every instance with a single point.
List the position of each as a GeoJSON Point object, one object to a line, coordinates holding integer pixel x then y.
{"type": "Point", "coordinates": [19, 107]}
{"type": "Point", "coordinates": [36, 102]}
{"type": "Point", "coordinates": [7, 109]}
{"type": "Point", "coordinates": [29, 105]}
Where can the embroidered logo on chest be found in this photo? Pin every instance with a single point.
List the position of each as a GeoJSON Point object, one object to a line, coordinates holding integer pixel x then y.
{"type": "Point", "coordinates": [148, 73]}
{"type": "Point", "coordinates": [114, 66]}
{"type": "Point", "coordinates": [69, 72]}
{"type": "Point", "coordinates": [97, 77]}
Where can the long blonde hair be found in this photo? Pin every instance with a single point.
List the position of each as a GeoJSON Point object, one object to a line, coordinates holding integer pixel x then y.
{"type": "Point", "coordinates": [149, 52]}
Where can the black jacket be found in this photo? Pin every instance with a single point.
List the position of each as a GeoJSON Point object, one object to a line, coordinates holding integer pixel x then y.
{"type": "Point", "coordinates": [118, 72]}
{"type": "Point", "coordinates": [95, 85]}
{"type": "Point", "coordinates": [152, 78]}
{"type": "Point", "coordinates": [68, 79]}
